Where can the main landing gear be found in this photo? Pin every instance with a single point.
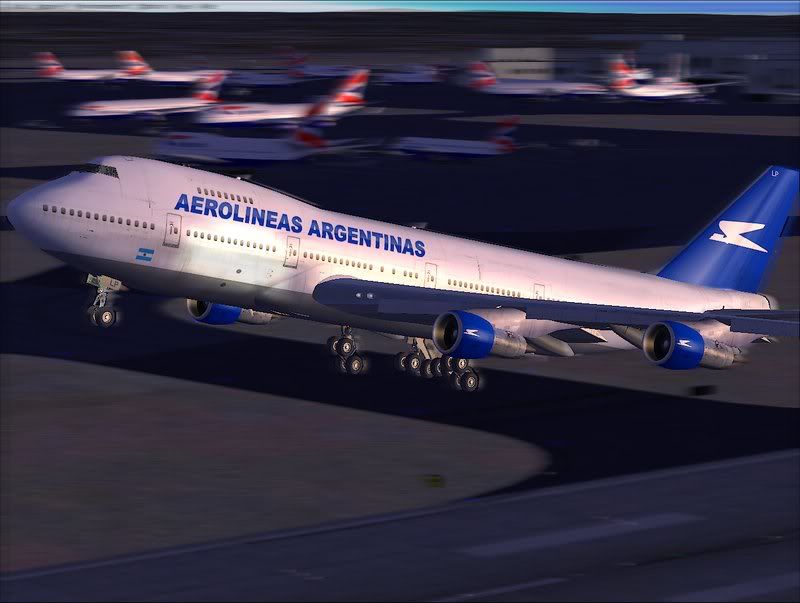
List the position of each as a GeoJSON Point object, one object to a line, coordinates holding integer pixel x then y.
{"type": "Point", "coordinates": [102, 313]}
{"type": "Point", "coordinates": [422, 362]}
{"type": "Point", "coordinates": [348, 360]}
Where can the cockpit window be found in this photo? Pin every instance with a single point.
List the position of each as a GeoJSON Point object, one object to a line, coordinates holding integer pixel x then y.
{"type": "Point", "coordinates": [94, 168]}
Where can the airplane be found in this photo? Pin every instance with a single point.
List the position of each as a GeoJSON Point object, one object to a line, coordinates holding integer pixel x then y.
{"type": "Point", "coordinates": [205, 95]}
{"type": "Point", "coordinates": [243, 252]}
{"type": "Point", "coordinates": [411, 74]}
{"type": "Point", "coordinates": [346, 97]}
{"type": "Point", "coordinates": [297, 66]}
{"type": "Point", "coordinates": [306, 140]}
{"type": "Point", "coordinates": [136, 68]}
{"type": "Point", "coordinates": [481, 77]}
{"type": "Point", "coordinates": [50, 67]}
{"type": "Point", "coordinates": [623, 84]}
{"type": "Point", "coordinates": [497, 143]}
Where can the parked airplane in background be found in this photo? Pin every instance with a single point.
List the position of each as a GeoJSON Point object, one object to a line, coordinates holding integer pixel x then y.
{"type": "Point", "coordinates": [346, 97]}
{"type": "Point", "coordinates": [238, 251]}
{"type": "Point", "coordinates": [497, 143]}
{"type": "Point", "coordinates": [623, 84]}
{"type": "Point", "coordinates": [304, 141]}
{"type": "Point", "coordinates": [205, 95]}
{"type": "Point", "coordinates": [482, 78]}
{"type": "Point", "coordinates": [50, 67]}
{"type": "Point", "coordinates": [411, 74]}
{"type": "Point", "coordinates": [135, 67]}
{"type": "Point", "coordinates": [297, 66]}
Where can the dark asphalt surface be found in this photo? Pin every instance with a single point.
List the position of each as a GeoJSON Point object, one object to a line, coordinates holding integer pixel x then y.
{"type": "Point", "coordinates": [726, 531]}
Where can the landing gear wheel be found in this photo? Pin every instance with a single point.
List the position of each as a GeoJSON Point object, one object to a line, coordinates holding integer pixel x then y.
{"type": "Point", "coordinates": [436, 367]}
{"type": "Point", "coordinates": [355, 364]}
{"type": "Point", "coordinates": [90, 312]}
{"type": "Point", "coordinates": [332, 345]}
{"type": "Point", "coordinates": [426, 369]}
{"type": "Point", "coordinates": [413, 363]}
{"type": "Point", "coordinates": [345, 347]}
{"type": "Point", "coordinates": [447, 364]}
{"type": "Point", "coordinates": [460, 365]}
{"type": "Point", "coordinates": [469, 381]}
{"type": "Point", "coordinates": [400, 362]}
{"type": "Point", "coordinates": [104, 317]}
{"type": "Point", "coordinates": [341, 365]}
{"type": "Point", "coordinates": [453, 379]}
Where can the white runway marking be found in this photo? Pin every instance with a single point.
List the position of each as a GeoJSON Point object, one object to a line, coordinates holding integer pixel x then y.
{"type": "Point", "coordinates": [482, 594]}
{"type": "Point", "coordinates": [743, 590]}
{"type": "Point", "coordinates": [571, 536]}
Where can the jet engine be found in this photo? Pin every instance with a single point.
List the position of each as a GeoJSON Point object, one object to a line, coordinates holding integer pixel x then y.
{"type": "Point", "coordinates": [677, 346]}
{"type": "Point", "coordinates": [220, 314]}
{"type": "Point", "coordinates": [467, 335]}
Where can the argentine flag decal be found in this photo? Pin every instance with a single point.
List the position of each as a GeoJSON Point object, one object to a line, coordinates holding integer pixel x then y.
{"type": "Point", "coordinates": [145, 255]}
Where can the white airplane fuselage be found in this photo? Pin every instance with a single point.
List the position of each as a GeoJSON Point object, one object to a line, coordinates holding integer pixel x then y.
{"type": "Point", "coordinates": [122, 108]}
{"type": "Point", "coordinates": [176, 231]}
{"type": "Point", "coordinates": [244, 113]}
{"type": "Point", "coordinates": [543, 88]}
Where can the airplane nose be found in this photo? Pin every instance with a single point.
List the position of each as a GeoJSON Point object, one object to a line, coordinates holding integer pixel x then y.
{"type": "Point", "coordinates": [19, 210]}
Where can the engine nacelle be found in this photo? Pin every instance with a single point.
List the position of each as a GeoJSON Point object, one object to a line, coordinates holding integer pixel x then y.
{"type": "Point", "coordinates": [467, 335]}
{"type": "Point", "coordinates": [220, 314]}
{"type": "Point", "coordinates": [677, 346]}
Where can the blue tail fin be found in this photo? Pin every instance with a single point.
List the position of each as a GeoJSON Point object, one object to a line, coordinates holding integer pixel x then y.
{"type": "Point", "coordinates": [734, 250]}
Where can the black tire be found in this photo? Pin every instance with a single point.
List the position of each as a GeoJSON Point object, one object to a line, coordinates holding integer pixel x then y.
{"type": "Point", "coordinates": [460, 365]}
{"type": "Point", "coordinates": [447, 364]}
{"type": "Point", "coordinates": [91, 314]}
{"type": "Point", "coordinates": [345, 347]}
{"type": "Point", "coordinates": [413, 363]}
{"type": "Point", "coordinates": [355, 364]}
{"type": "Point", "coordinates": [426, 369]}
{"type": "Point", "coordinates": [436, 367]}
{"type": "Point", "coordinates": [105, 317]}
{"type": "Point", "coordinates": [400, 362]}
{"type": "Point", "coordinates": [332, 345]}
{"type": "Point", "coordinates": [453, 379]}
{"type": "Point", "coordinates": [341, 365]}
{"type": "Point", "coordinates": [469, 381]}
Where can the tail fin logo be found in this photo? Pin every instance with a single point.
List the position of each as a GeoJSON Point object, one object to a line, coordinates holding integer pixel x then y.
{"type": "Point", "coordinates": [732, 234]}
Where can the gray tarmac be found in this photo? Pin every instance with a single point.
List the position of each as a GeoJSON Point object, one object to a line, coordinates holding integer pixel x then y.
{"type": "Point", "coordinates": [696, 533]}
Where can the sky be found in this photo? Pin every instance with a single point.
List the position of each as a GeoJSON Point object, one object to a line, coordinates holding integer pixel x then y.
{"type": "Point", "coordinates": [764, 7]}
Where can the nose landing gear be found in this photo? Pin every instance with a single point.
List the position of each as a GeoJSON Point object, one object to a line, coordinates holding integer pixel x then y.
{"type": "Point", "coordinates": [102, 313]}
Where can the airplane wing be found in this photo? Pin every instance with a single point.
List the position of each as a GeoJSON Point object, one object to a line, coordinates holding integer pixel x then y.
{"type": "Point", "coordinates": [404, 303]}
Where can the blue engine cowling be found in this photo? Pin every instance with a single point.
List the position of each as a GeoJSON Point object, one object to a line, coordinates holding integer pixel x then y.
{"type": "Point", "coordinates": [676, 346]}
{"type": "Point", "coordinates": [467, 335]}
{"type": "Point", "coordinates": [213, 314]}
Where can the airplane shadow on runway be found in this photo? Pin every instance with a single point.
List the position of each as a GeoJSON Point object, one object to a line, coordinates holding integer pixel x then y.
{"type": "Point", "coordinates": [591, 431]}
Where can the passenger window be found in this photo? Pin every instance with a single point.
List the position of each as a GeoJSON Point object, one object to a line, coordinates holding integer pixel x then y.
{"type": "Point", "coordinates": [219, 194]}
{"type": "Point", "coordinates": [44, 207]}
{"type": "Point", "coordinates": [188, 232]}
{"type": "Point", "coordinates": [416, 275]}
{"type": "Point", "coordinates": [136, 223]}
{"type": "Point", "coordinates": [370, 266]}
{"type": "Point", "coordinates": [198, 190]}
{"type": "Point", "coordinates": [241, 243]}
{"type": "Point", "coordinates": [205, 191]}
{"type": "Point", "coordinates": [104, 218]}
{"type": "Point", "coordinates": [152, 226]}
{"type": "Point", "coordinates": [248, 243]}
{"type": "Point", "coordinates": [128, 222]}
{"type": "Point", "coordinates": [97, 216]}
{"type": "Point", "coordinates": [215, 237]}
{"type": "Point", "coordinates": [72, 212]}
{"type": "Point", "coordinates": [261, 245]}
{"type": "Point", "coordinates": [226, 195]}
{"type": "Point", "coordinates": [381, 268]}
{"type": "Point", "coordinates": [63, 210]}
{"type": "Point", "coordinates": [195, 234]}
{"type": "Point", "coordinates": [202, 235]}
{"type": "Point", "coordinates": [80, 213]}
{"type": "Point", "coordinates": [274, 248]}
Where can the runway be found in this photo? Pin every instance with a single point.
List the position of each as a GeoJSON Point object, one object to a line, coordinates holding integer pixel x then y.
{"type": "Point", "coordinates": [686, 534]}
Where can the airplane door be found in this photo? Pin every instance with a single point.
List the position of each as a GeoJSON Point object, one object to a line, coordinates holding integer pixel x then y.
{"type": "Point", "coordinates": [538, 291]}
{"type": "Point", "coordinates": [430, 275]}
{"type": "Point", "coordinates": [172, 232]}
{"type": "Point", "coordinates": [292, 252]}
